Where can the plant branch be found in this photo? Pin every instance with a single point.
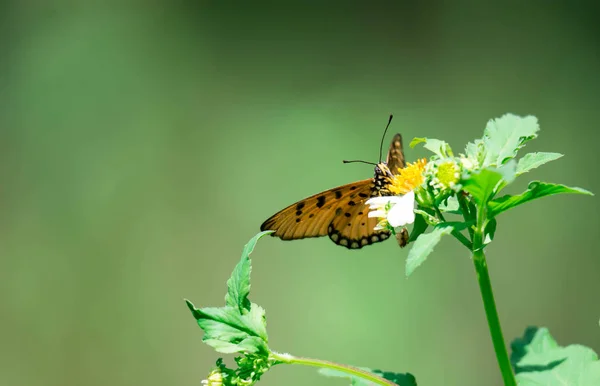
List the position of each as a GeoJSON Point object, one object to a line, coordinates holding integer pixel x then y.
{"type": "Point", "coordinates": [350, 370]}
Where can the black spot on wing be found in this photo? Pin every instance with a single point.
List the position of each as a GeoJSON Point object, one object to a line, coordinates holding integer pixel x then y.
{"type": "Point", "coordinates": [320, 201]}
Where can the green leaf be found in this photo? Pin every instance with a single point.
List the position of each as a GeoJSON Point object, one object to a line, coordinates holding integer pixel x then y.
{"type": "Point", "coordinates": [251, 345]}
{"type": "Point", "coordinates": [535, 190]}
{"type": "Point", "coordinates": [417, 140]}
{"type": "Point", "coordinates": [227, 330]}
{"type": "Point", "coordinates": [450, 205]}
{"type": "Point", "coordinates": [482, 185]}
{"type": "Point", "coordinates": [490, 231]}
{"type": "Point", "coordinates": [441, 148]}
{"type": "Point", "coordinates": [423, 246]}
{"type": "Point", "coordinates": [539, 360]}
{"type": "Point", "coordinates": [475, 151]}
{"type": "Point", "coordinates": [420, 226]}
{"type": "Point", "coordinates": [503, 137]}
{"type": "Point", "coordinates": [402, 379]}
{"type": "Point", "coordinates": [238, 285]}
{"type": "Point", "coordinates": [533, 160]}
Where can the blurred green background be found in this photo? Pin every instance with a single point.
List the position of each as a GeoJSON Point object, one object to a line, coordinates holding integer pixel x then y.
{"type": "Point", "coordinates": [143, 143]}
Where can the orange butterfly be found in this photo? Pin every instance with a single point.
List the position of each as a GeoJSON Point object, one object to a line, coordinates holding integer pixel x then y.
{"type": "Point", "coordinates": [341, 212]}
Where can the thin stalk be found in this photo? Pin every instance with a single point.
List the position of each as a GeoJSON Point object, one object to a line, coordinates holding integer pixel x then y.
{"type": "Point", "coordinates": [350, 370]}
{"type": "Point", "coordinates": [485, 286]}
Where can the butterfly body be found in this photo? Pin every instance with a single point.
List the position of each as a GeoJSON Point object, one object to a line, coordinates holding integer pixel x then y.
{"type": "Point", "coordinates": [340, 213]}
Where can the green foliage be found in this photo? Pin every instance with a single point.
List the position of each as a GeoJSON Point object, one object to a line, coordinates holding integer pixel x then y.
{"type": "Point", "coordinates": [482, 185]}
{"type": "Point", "coordinates": [423, 246]}
{"type": "Point", "coordinates": [533, 160]}
{"type": "Point", "coordinates": [450, 205]}
{"type": "Point", "coordinates": [535, 190]}
{"type": "Point", "coordinates": [475, 151]}
{"type": "Point", "coordinates": [503, 137]}
{"type": "Point", "coordinates": [238, 327]}
{"type": "Point", "coordinates": [402, 379]}
{"type": "Point", "coordinates": [419, 227]}
{"type": "Point", "coordinates": [440, 148]}
{"type": "Point", "coordinates": [238, 285]}
{"type": "Point", "coordinates": [228, 331]}
{"type": "Point", "coordinates": [539, 360]}
{"type": "Point", "coordinates": [490, 231]}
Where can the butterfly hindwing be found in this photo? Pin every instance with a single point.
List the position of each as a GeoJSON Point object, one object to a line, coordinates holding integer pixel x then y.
{"type": "Point", "coordinates": [354, 229]}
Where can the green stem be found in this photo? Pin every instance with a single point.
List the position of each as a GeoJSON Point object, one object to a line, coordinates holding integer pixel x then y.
{"type": "Point", "coordinates": [485, 286]}
{"type": "Point", "coordinates": [352, 371]}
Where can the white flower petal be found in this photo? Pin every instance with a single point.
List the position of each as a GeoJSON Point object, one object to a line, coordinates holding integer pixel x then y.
{"type": "Point", "coordinates": [382, 201]}
{"type": "Point", "coordinates": [377, 213]}
{"type": "Point", "coordinates": [403, 212]}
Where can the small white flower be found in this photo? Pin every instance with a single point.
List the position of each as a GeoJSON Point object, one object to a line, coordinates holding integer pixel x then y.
{"type": "Point", "coordinates": [396, 210]}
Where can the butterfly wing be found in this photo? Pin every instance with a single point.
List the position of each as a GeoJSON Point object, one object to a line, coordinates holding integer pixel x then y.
{"type": "Point", "coordinates": [340, 213]}
{"type": "Point", "coordinates": [395, 157]}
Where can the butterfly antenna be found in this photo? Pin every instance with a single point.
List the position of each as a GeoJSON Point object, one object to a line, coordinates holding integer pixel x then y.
{"type": "Point", "coordinates": [361, 161]}
{"type": "Point", "coordinates": [383, 137]}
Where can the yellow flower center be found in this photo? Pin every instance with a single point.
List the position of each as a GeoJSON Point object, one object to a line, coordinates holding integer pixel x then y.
{"type": "Point", "coordinates": [447, 174]}
{"type": "Point", "coordinates": [409, 178]}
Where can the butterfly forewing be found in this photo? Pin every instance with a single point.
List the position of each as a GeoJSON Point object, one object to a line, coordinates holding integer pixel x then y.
{"type": "Point", "coordinates": [395, 157]}
{"type": "Point", "coordinates": [316, 216]}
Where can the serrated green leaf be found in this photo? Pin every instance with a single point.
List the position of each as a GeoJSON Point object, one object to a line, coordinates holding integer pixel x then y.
{"type": "Point", "coordinates": [504, 136]}
{"type": "Point", "coordinates": [423, 246]}
{"type": "Point", "coordinates": [440, 148]}
{"type": "Point", "coordinates": [533, 160]}
{"type": "Point", "coordinates": [539, 360]}
{"type": "Point", "coordinates": [420, 226]}
{"type": "Point", "coordinates": [238, 285]}
{"type": "Point", "coordinates": [402, 379]}
{"type": "Point", "coordinates": [227, 330]}
{"type": "Point", "coordinates": [535, 190]}
{"type": "Point", "coordinates": [482, 185]}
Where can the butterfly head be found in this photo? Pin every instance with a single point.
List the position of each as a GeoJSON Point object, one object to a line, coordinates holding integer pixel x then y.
{"type": "Point", "coordinates": [382, 171]}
